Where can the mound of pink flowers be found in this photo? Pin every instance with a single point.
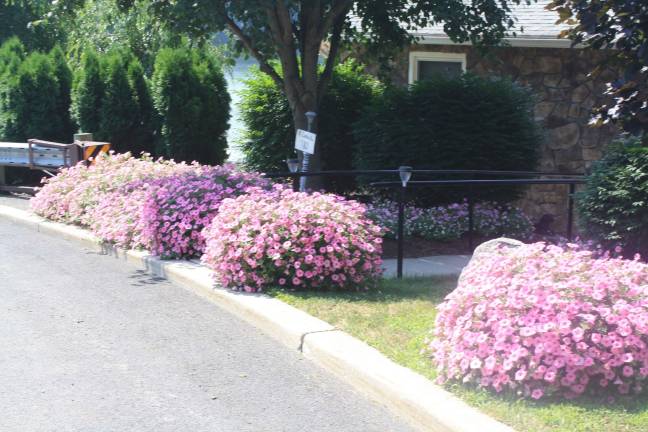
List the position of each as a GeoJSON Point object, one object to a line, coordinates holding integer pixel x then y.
{"type": "Point", "coordinates": [132, 202]}
{"type": "Point", "coordinates": [546, 321]}
{"type": "Point", "coordinates": [176, 209]}
{"type": "Point", "coordinates": [74, 192]}
{"type": "Point", "coordinates": [293, 239]}
{"type": "Point", "coordinates": [117, 216]}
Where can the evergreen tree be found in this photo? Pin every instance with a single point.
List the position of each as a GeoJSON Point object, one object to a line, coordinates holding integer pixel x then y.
{"type": "Point", "coordinates": [118, 113]}
{"type": "Point", "coordinates": [190, 96]}
{"type": "Point", "coordinates": [12, 54]}
{"type": "Point", "coordinates": [64, 78]}
{"type": "Point", "coordinates": [87, 93]}
{"type": "Point", "coordinates": [143, 134]}
{"type": "Point", "coordinates": [34, 100]}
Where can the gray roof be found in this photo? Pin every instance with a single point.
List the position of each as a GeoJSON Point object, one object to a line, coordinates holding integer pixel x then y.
{"type": "Point", "coordinates": [532, 21]}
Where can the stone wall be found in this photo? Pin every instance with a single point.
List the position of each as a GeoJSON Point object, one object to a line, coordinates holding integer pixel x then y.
{"type": "Point", "coordinates": [564, 98]}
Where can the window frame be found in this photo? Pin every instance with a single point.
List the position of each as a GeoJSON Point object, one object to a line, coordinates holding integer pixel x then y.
{"type": "Point", "coordinates": [417, 56]}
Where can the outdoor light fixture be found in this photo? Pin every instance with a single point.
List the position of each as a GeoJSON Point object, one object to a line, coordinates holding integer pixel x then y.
{"type": "Point", "coordinates": [310, 117]}
{"type": "Point", "coordinates": [405, 174]}
{"type": "Point", "coordinates": [293, 165]}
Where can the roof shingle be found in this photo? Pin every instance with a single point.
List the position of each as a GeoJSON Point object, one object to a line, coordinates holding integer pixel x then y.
{"type": "Point", "coordinates": [532, 21]}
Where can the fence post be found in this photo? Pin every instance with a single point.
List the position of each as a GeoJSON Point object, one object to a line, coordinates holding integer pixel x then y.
{"type": "Point", "coordinates": [401, 232]}
{"type": "Point", "coordinates": [471, 221]}
{"type": "Point", "coordinates": [570, 214]}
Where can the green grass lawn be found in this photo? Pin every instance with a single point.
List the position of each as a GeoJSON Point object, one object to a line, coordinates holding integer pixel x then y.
{"type": "Point", "coordinates": [396, 319]}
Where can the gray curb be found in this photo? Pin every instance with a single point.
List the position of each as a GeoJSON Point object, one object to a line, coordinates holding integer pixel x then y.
{"type": "Point", "coordinates": [406, 393]}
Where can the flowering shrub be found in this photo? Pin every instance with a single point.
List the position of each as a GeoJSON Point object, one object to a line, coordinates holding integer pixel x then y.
{"type": "Point", "coordinates": [117, 217]}
{"type": "Point", "coordinates": [544, 320]}
{"type": "Point", "coordinates": [156, 204]}
{"type": "Point", "coordinates": [450, 222]}
{"type": "Point", "coordinates": [73, 192]}
{"type": "Point", "coordinates": [176, 209]}
{"type": "Point", "coordinates": [293, 239]}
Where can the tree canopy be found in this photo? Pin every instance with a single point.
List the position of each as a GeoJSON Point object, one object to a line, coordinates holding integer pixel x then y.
{"type": "Point", "coordinates": [621, 26]}
{"type": "Point", "coordinates": [295, 32]}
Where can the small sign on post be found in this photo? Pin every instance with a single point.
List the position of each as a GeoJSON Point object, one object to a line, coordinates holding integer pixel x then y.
{"type": "Point", "coordinates": [305, 141]}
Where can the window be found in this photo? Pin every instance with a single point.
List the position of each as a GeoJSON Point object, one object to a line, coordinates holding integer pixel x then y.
{"type": "Point", "coordinates": [423, 65]}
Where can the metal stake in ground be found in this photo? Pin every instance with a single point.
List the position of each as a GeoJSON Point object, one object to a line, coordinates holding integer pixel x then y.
{"type": "Point", "coordinates": [405, 173]}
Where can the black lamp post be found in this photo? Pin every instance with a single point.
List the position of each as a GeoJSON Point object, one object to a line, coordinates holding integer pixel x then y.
{"type": "Point", "coordinates": [293, 167]}
{"type": "Point", "coordinates": [405, 173]}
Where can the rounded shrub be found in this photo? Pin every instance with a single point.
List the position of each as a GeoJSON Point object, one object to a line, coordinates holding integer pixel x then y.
{"type": "Point", "coordinates": [190, 96]}
{"type": "Point", "coordinates": [270, 135]}
{"type": "Point", "coordinates": [111, 99]}
{"type": "Point", "coordinates": [293, 239]}
{"type": "Point", "coordinates": [12, 54]}
{"type": "Point", "coordinates": [71, 195]}
{"type": "Point", "coordinates": [87, 93]}
{"type": "Point", "coordinates": [613, 208]}
{"type": "Point", "coordinates": [464, 123]}
{"type": "Point", "coordinates": [178, 208]}
{"type": "Point", "coordinates": [117, 216]}
{"type": "Point", "coordinates": [118, 110]}
{"type": "Point", "coordinates": [541, 320]}
{"type": "Point", "coordinates": [35, 103]}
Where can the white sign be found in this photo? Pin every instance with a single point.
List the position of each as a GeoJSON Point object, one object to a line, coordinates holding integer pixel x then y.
{"type": "Point", "coordinates": [305, 141]}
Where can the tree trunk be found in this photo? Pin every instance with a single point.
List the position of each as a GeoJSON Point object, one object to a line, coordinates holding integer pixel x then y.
{"type": "Point", "coordinates": [300, 105]}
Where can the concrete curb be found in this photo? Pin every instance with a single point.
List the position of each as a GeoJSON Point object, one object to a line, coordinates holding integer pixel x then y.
{"type": "Point", "coordinates": [406, 393]}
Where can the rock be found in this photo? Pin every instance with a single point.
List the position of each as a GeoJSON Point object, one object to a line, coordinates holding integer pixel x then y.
{"type": "Point", "coordinates": [590, 137]}
{"type": "Point", "coordinates": [580, 93]}
{"type": "Point", "coordinates": [561, 110]}
{"type": "Point", "coordinates": [592, 154]}
{"type": "Point", "coordinates": [577, 113]}
{"type": "Point", "coordinates": [555, 94]}
{"type": "Point", "coordinates": [488, 248]}
{"type": "Point", "coordinates": [556, 81]}
{"type": "Point", "coordinates": [547, 64]}
{"type": "Point", "coordinates": [543, 109]}
{"type": "Point", "coordinates": [564, 137]}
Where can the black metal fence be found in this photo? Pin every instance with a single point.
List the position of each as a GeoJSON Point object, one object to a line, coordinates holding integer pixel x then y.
{"type": "Point", "coordinates": [403, 183]}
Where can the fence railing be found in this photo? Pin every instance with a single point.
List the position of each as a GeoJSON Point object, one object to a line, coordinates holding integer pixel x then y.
{"type": "Point", "coordinates": [570, 179]}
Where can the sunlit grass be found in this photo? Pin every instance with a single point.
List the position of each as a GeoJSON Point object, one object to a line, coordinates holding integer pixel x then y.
{"type": "Point", "coordinates": [396, 319]}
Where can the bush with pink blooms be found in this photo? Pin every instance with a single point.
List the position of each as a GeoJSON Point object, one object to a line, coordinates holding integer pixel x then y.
{"type": "Point", "coordinates": [176, 209]}
{"type": "Point", "coordinates": [140, 202]}
{"type": "Point", "coordinates": [293, 239]}
{"type": "Point", "coordinates": [543, 320]}
{"type": "Point", "coordinates": [117, 217]}
{"type": "Point", "coordinates": [73, 192]}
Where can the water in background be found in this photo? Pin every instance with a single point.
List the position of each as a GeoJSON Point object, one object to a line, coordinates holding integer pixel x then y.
{"type": "Point", "coordinates": [234, 84]}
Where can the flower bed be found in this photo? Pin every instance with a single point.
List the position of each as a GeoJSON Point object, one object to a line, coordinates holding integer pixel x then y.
{"type": "Point", "coordinates": [543, 320]}
{"type": "Point", "coordinates": [159, 205]}
{"type": "Point", "coordinates": [178, 208]}
{"type": "Point", "coordinates": [293, 239]}
{"type": "Point", "coordinates": [450, 222]}
{"type": "Point", "coordinates": [72, 194]}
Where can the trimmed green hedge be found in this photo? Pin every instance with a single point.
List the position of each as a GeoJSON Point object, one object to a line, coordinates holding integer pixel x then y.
{"type": "Point", "coordinates": [613, 208]}
{"type": "Point", "coordinates": [468, 123]}
{"type": "Point", "coordinates": [34, 95]}
{"type": "Point", "coordinates": [190, 95]}
{"type": "Point", "coordinates": [270, 136]}
{"type": "Point", "coordinates": [111, 99]}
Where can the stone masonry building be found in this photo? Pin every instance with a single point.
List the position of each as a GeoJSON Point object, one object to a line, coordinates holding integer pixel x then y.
{"type": "Point", "coordinates": [556, 73]}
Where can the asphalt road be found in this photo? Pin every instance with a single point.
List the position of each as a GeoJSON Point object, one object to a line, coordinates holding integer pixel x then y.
{"type": "Point", "coordinates": [88, 343]}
